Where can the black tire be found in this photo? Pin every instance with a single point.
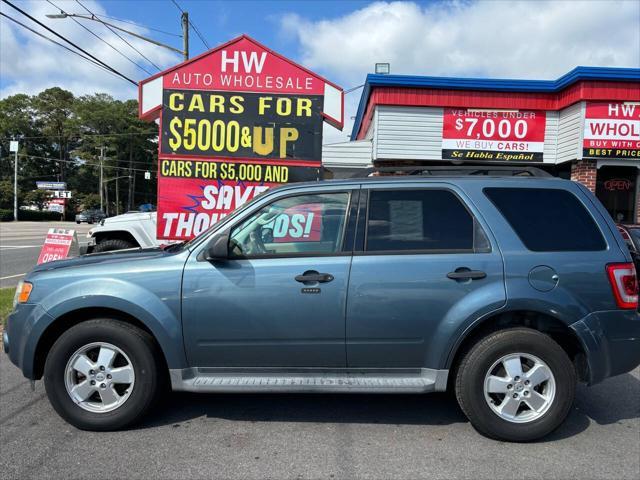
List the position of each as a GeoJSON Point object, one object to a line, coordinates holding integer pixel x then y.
{"type": "Point", "coordinates": [470, 377]}
{"type": "Point", "coordinates": [135, 343]}
{"type": "Point", "coordinates": [77, 222]}
{"type": "Point", "coordinates": [111, 245]}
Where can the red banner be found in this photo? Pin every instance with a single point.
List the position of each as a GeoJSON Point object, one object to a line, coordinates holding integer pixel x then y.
{"type": "Point", "coordinates": [57, 245]}
{"type": "Point", "coordinates": [503, 135]}
{"type": "Point", "coordinates": [611, 130]}
{"type": "Point", "coordinates": [193, 194]}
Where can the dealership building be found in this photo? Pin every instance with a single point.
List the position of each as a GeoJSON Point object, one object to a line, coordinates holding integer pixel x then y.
{"type": "Point", "coordinates": [584, 126]}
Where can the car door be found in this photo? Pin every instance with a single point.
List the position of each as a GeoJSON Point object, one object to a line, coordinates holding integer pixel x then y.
{"type": "Point", "coordinates": [280, 299]}
{"type": "Point", "coordinates": [424, 261]}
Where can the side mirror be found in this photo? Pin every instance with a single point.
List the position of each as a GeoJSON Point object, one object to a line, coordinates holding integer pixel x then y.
{"type": "Point", "coordinates": [218, 248]}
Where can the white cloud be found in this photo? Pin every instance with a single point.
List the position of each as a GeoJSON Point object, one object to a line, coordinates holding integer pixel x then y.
{"type": "Point", "coordinates": [533, 39]}
{"type": "Point", "coordinates": [30, 64]}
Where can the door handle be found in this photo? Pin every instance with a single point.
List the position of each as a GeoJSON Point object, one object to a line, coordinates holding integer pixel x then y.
{"type": "Point", "coordinates": [312, 276]}
{"type": "Point", "coordinates": [465, 274]}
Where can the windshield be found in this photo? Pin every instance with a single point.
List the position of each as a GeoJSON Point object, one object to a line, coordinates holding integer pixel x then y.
{"type": "Point", "coordinates": [635, 236]}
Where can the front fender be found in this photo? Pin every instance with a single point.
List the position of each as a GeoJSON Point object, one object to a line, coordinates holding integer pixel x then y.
{"type": "Point", "coordinates": [121, 295]}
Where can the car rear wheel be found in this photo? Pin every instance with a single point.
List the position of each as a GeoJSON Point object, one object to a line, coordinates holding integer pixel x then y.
{"type": "Point", "coordinates": [102, 374]}
{"type": "Point", "coordinates": [111, 245]}
{"type": "Point", "coordinates": [516, 385]}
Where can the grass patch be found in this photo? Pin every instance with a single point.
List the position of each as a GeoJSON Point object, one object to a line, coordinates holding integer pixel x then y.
{"type": "Point", "coordinates": [6, 303]}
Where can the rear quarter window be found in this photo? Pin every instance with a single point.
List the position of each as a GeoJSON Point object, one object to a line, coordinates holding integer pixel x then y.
{"type": "Point", "coordinates": [547, 219]}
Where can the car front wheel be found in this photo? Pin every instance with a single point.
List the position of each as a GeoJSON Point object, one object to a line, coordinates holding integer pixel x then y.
{"type": "Point", "coordinates": [111, 245]}
{"type": "Point", "coordinates": [102, 374]}
{"type": "Point", "coordinates": [516, 385]}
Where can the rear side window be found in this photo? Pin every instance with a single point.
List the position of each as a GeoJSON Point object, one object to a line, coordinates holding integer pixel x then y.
{"type": "Point", "coordinates": [423, 220]}
{"type": "Point", "coordinates": [548, 220]}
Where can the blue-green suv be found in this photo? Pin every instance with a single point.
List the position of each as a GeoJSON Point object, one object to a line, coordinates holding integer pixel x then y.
{"type": "Point", "coordinates": [505, 289]}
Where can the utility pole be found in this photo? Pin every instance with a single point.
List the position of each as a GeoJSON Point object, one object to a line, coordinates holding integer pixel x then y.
{"type": "Point", "coordinates": [117, 198]}
{"type": "Point", "coordinates": [13, 147]}
{"type": "Point", "coordinates": [102, 149]}
{"type": "Point", "coordinates": [185, 35]}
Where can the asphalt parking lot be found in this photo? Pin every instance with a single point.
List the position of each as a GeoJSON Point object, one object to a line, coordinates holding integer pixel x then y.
{"type": "Point", "coordinates": [316, 436]}
{"type": "Point", "coordinates": [20, 245]}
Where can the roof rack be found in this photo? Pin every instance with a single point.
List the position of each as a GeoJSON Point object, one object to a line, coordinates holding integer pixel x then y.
{"type": "Point", "coordinates": [455, 171]}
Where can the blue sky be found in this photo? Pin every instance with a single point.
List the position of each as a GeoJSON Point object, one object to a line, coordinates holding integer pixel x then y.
{"type": "Point", "coordinates": [341, 40]}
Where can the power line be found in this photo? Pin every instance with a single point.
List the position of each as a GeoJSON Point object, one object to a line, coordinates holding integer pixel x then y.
{"type": "Point", "coordinates": [120, 37]}
{"type": "Point", "coordinates": [69, 41]}
{"type": "Point", "coordinates": [140, 162]}
{"type": "Point", "coordinates": [140, 25]}
{"type": "Point", "coordinates": [84, 162]}
{"type": "Point", "coordinates": [101, 39]}
{"type": "Point", "coordinates": [80, 135]}
{"type": "Point", "coordinates": [59, 44]}
{"type": "Point", "coordinates": [200, 36]}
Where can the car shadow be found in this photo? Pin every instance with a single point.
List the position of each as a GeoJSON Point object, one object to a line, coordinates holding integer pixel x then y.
{"type": "Point", "coordinates": [614, 400]}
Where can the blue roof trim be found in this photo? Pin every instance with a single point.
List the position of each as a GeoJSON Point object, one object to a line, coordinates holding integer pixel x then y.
{"type": "Point", "coordinates": [491, 84]}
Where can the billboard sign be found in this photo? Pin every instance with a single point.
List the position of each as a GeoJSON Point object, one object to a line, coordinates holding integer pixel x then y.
{"type": "Point", "coordinates": [234, 121]}
{"type": "Point", "coordinates": [51, 185]}
{"type": "Point", "coordinates": [493, 135]}
{"type": "Point", "coordinates": [611, 130]}
{"type": "Point", "coordinates": [242, 125]}
{"type": "Point", "coordinates": [58, 244]}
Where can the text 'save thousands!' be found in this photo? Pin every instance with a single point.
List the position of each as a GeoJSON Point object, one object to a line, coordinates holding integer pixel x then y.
{"type": "Point", "coordinates": [493, 135]}
{"type": "Point", "coordinates": [611, 130]}
{"type": "Point", "coordinates": [196, 194]}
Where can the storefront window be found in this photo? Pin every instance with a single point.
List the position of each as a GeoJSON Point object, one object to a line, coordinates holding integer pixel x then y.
{"type": "Point", "coordinates": [616, 189]}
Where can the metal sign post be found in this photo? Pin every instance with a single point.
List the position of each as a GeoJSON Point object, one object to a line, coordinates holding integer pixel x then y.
{"type": "Point", "coordinates": [13, 147]}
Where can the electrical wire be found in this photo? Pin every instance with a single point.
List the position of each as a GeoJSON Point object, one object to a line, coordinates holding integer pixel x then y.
{"type": "Point", "coordinates": [200, 36]}
{"type": "Point", "coordinates": [120, 37]}
{"type": "Point", "coordinates": [69, 42]}
{"type": "Point", "coordinates": [80, 135]}
{"type": "Point", "coordinates": [140, 25]}
{"type": "Point", "coordinates": [83, 162]}
{"type": "Point", "coordinates": [59, 44]}
{"type": "Point", "coordinates": [100, 38]}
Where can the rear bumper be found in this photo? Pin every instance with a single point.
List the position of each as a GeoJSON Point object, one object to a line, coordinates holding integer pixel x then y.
{"type": "Point", "coordinates": [611, 341]}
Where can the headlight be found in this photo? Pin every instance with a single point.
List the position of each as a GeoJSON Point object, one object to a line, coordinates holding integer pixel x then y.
{"type": "Point", "coordinates": [23, 290]}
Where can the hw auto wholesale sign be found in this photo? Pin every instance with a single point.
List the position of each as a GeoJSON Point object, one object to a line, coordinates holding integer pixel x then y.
{"type": "Point", "coordinates": [493, 135]}
{"type": "Point", "coordinates": [611, 130]}
{"type": "Point", "coordinates": [234, 122]}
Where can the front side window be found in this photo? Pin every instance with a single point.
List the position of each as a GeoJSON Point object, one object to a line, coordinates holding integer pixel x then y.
{"type": "Point", "coordinates": [303, 224]}
{"type": "Point", "coordinates": [427, 220]}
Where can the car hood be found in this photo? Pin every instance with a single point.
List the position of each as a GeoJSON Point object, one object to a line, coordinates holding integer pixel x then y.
{"type": "Point", "coordinates": [129, 255]}
{"type": "Point", "coordinates": [131, 217]}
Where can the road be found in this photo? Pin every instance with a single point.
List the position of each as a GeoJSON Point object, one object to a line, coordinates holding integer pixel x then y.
{"type": "Point", "coordinates": [316, 436]}
{"type": "Point", "coordinates": [20, 245]}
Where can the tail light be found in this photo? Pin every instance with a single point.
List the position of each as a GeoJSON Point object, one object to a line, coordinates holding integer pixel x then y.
{"type": "Point", "coordinates": [624, 284]}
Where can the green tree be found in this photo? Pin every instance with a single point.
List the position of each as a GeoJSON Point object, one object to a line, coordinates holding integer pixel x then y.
{"type": "Point", "coordinates": [54, 112]}
{"type": "Point", "coordinates": [39, 198]}
{"type": "Point", "coordinates": [6, 194]}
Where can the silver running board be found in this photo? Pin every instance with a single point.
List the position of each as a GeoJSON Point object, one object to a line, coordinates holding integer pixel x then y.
{"type": "Point", "coordinates": [308, 380]}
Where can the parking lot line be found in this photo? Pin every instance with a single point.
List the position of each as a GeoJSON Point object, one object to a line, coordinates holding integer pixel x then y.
{"type": "Point", "coordinates": [13, 276]}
